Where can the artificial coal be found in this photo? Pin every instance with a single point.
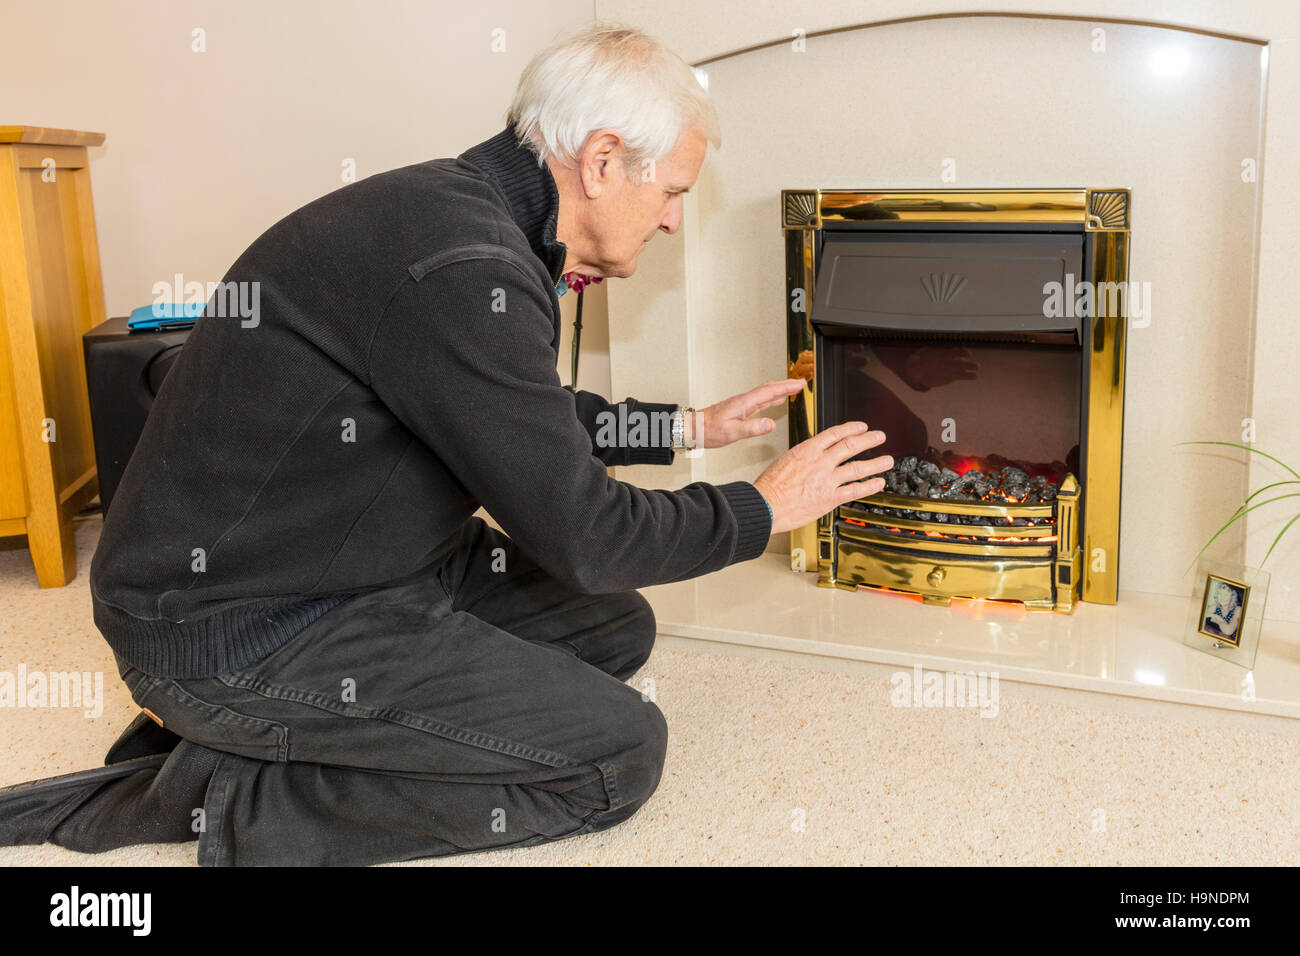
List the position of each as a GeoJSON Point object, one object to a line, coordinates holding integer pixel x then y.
{"type": "Point", "coordinates": [918, 478]}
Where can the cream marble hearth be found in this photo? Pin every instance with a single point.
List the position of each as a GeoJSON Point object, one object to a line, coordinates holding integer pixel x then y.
{"type": "Point", "coordinates": [1013, 102]}
{"type": "Point", "coordinates": [1132, 648]}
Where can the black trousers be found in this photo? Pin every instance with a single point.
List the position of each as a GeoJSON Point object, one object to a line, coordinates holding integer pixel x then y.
{"type": "Point", "coordinates": [481, 704]}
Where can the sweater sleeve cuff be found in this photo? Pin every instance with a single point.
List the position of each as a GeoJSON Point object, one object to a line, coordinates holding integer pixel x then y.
{"type": "Point", "coordinates": [652, 455]}
{"type": "Point", "coordinates": [753, 515]}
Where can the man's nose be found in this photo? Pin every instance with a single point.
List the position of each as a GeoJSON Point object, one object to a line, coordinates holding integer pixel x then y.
{"type": "Point", "coordinates": [672, 220]}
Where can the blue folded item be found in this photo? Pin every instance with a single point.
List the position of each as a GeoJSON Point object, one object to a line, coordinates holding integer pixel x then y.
{"type": "Point", "coordinates": [162, 316]}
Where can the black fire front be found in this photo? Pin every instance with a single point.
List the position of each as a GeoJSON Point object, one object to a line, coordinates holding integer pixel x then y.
{"type": "Point", "coordinates": [944, 342]}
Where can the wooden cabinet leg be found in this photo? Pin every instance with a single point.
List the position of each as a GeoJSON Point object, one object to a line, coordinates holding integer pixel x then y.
{"type": "Point", "coordinates": [53, 543]}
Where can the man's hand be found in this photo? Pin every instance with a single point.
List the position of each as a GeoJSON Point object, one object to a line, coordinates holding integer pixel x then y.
{"type": "Point", "coordinates": [729, 420]}
{"type": "Point", "coordinates": [815, 476]}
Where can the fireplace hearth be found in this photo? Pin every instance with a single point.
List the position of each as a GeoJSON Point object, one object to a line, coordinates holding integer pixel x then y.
{"type": "Point", "coordinates": [935, 317]}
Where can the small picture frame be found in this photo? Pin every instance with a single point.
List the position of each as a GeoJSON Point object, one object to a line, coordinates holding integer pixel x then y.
{"type": "Point", "coordinates": [1223, 609]}
{"type": "Point", "coordinates": [1227, 610]}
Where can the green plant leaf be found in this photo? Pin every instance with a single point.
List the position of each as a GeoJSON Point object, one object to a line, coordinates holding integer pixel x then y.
{"type": "Point", "coordinates": [1286, 527]}
{"type": "Point", "coordinates": [1233, 444]}
{"type": "Point", "coordinates": [1240, 514]}
{"type": "Point", "coordinates": [1275, 484]}
{"type": "Point", "coordinates": [1242, 511]}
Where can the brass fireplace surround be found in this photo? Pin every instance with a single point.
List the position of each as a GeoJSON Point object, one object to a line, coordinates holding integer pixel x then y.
{"type": "Point", "coordinates": [1069, 549]}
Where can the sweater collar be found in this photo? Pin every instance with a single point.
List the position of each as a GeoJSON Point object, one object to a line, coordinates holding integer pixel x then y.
{"type": "Point", "coordinates": [529, 189]}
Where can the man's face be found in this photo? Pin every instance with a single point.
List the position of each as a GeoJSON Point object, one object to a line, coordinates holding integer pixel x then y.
{"type": "Point", "coordinates": [629, 211]}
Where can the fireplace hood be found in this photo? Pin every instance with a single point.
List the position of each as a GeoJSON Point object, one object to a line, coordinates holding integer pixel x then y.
{"type": "Point", "coordinates": [945, 282]}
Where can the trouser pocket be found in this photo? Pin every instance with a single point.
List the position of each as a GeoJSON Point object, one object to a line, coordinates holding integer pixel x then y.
{"type": "Point", "coordinates": [207, 722]}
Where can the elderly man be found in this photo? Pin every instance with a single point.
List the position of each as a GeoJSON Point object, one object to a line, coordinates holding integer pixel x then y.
{"type": "Point", "coordinates": [337, 662]}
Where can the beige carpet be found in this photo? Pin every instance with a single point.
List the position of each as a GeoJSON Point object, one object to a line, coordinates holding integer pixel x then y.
{"type": "Point", "coordinates": [805, 762]}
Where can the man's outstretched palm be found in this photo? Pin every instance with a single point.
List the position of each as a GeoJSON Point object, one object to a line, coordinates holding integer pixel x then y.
{"type": "Point", "coordinates": [729, 420]}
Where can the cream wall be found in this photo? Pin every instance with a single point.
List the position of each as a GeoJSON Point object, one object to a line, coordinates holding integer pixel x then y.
{"type": "Point", "coordinates": [687, 286]}
{"type": "Point", "coordinates": [206, 150]}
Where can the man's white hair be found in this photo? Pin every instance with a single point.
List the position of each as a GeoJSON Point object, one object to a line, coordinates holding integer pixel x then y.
{"type": "Point", "coordinates": [609, 76]}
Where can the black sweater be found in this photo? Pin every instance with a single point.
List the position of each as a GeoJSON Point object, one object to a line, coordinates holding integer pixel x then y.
{"type": "Point", "coordinates": [401, 372]}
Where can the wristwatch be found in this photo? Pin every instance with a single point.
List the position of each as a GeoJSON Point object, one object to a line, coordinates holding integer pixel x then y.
{"type": "Point", "coordinates": [679, 427]}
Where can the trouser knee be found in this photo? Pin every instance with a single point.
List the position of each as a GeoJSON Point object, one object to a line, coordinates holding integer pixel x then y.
{"type": "Point", "coordinates": [632, 775]}
{"type": "Point", "coordinates": [635, 639]}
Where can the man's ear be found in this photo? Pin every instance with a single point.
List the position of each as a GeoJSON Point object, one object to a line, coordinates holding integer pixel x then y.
{"type": "Point", "coordinates": [599, 161]}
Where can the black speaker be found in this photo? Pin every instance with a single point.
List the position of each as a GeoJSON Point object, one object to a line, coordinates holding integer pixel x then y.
{"type": "Point", "coordinates": [124, 371]}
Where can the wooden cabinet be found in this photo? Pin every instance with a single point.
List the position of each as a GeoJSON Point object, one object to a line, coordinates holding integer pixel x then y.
{"type": "Point", "coordinates": [51, 293]}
